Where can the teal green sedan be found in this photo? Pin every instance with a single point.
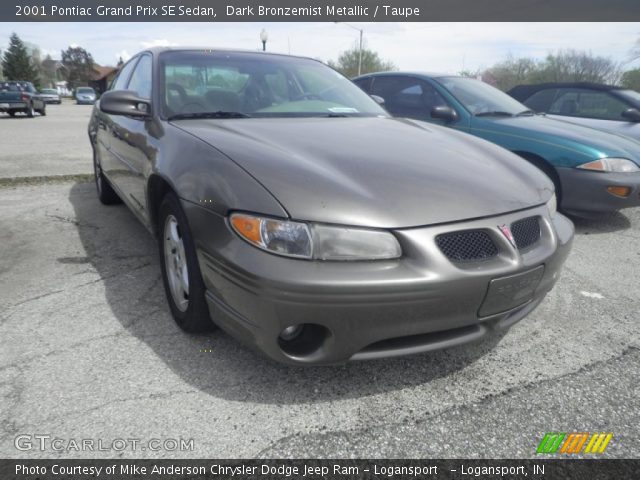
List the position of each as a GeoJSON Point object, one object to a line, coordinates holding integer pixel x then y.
{"type": "Point", "coordinates": [593, 171]}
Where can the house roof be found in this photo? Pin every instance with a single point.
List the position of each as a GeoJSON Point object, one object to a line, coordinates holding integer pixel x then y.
{"type": "Point", "coordinates": [102, 72]}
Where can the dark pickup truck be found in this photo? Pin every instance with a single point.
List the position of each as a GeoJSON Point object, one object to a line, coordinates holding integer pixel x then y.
{"type": "Point", "coordinates": [22, 97]}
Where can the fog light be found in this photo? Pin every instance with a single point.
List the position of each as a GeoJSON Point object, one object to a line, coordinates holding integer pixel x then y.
{"type": "Point", "coordinates": [623, 192]}
{"type": "Point", "coordinates": [290, 332]}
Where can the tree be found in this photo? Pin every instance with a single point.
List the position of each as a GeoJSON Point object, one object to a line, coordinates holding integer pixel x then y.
{"type": "Point", "coordinates": [631, 79]}
{"type": "Point", "coordinates": [16, 62]}
{"type": "Point", "coordinates": [78, 65]}
{"type": "Point", "coordinates": [575, 66]}
{"type": "Point", "coordinates": [511, 72]}
{"type": "Point", "coordinates": [470, 73]}
{"type": "Point", "coordinates": [347, 62]}
{"type": "Point", "coordinates": [48, 71]}
{"type": "Point", "coordinates": [562, 66]}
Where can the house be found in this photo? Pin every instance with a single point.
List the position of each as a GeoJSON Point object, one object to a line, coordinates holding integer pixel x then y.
{"type": "Point", "coordinates": [102, 77]}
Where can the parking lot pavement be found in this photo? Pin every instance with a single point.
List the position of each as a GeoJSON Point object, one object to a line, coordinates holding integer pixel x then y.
{"type": "Point", "coordinates": [88, 350]}
{"type": "Point", "coordinates": [56, 144]}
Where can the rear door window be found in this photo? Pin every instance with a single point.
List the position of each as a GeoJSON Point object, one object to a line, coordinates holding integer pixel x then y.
{"type": "Point", "coordinates": [580, 102]}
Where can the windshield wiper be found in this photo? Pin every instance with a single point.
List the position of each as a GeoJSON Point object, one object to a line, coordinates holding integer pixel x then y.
{"type": "Point", "coordinates": [218, 114]}
{"type": "Point", "coordinates": [494, 113]}
{"type": "Point", "coordinates": [526, 112]}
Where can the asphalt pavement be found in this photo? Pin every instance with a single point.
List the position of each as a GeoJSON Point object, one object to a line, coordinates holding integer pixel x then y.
{"type": "Point", "coordinates": [88, 349]}
{"type": "Point", "coordinates": [55, 144]}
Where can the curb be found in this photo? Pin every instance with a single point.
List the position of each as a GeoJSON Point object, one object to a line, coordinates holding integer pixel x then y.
{"type": "Point", "coordinates": [22, 181]}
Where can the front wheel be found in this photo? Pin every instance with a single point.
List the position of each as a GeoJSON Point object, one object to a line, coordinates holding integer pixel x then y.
{"type": "Point", "coordinates": [181, 275]}
{"type": "Point", "coordinates": [43, 112]}
{"type": "Point", "coordinates": [30, 111]}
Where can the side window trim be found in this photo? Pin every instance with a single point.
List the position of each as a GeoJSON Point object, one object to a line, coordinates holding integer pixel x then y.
{"type": "Point", "coordinates": [133, 61]}
{"type": "Point", "coordinates": [133, 71]}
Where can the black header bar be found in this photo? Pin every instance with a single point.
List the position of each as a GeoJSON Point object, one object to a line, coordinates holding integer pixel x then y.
{"type": "Point", "coordinates": [458, 469]}
{"type": "Point", "coordinates": [315, 10]}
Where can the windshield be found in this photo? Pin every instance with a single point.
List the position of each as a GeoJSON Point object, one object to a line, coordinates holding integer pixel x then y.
{"type": "Point", "coordinates": [85, 90]}
{"type": "Point", "coordinates": [50, 91]}
{"type": "Point", "coordinates": [481, 98]}
{"type": "Point", "coordinates": [257, 85]}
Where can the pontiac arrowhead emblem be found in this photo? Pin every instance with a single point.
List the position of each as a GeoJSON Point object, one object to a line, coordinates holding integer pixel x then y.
{"type": "Point", "coordinates": [506, 231]}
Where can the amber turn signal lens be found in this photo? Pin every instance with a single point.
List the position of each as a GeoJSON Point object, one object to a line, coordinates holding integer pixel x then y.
{"type": "Point", "coordinates": [623, 192]}
{"type": "Point", "coordinates": [248, 227]}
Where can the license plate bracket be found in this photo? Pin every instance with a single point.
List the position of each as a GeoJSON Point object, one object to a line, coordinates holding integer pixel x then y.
{"type": "Point", "coordinates": [511, 291]}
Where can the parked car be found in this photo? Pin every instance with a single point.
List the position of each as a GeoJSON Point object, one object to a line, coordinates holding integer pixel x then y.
{"type": "Point", "coordinates": [85, 96]}
{"type": "Point", "coordinates": [615, 109]}
{"type": "Point", "coordinates": [291, 209]}
{"type": "Point", "coordinates": [21, 97]}
{"type": "Point", "coordinates": [593, 171]}
{"type": "Point", "coordinates": [50, 95]}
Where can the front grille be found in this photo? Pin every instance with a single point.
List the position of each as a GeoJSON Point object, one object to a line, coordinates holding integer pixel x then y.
{"type": "Point", "coordinates": [467, 246]}
{"type": "Point", "coordinates": [526, 232]}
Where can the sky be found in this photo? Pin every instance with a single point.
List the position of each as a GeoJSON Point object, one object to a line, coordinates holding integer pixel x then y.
{"type": "Point", "coordinates": [440, 47]}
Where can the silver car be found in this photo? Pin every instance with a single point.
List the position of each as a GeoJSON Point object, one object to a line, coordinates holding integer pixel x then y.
{"type": "Point", "coordinates": [50, 95]}
{"type": "Point", "coordinates": [85, 96]}
{"type": "Point", "coordinates": [605, 107]}
{"type": "Point", "coordinates": [293, 212]}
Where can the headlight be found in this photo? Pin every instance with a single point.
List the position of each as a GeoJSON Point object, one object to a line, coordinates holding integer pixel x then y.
{"type": "Point", "coordinates": [312, 241]}
{"type": "Point", "coordinates": [336, 243]}
{"type": "Point", "coordinates": [552, 206]}
{"type": "Point", "coordinates": [283, 237]}
{"type": "Point", "coordinates": [611, 165]}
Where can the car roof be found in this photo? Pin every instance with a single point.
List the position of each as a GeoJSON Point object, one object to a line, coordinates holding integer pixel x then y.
{"type": "Point", "coordinates": [159, 50]}
{"type": "Point", "coordinates": [408, 73]}
{"type": "Point", "coordinates": [522, 92]}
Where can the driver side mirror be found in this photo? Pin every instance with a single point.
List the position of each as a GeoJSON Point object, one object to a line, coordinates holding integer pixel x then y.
{"type": "Point", "coordinates": [631, 114]}
{"type": "Point", "coordinates": [379, 100]}
{"type": "Point", "coordinates": [125, 102]}
{"type": "Point", "coordinates": [445, 113]}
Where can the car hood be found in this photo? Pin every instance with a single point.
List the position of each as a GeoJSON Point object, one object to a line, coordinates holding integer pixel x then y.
{"type": "Point", "coordinates": [376, 172]}
{"type": "Point", "coordinates": [570, 135]}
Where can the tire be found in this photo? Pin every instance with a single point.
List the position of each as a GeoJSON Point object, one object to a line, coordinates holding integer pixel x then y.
{"type": "Point", "coordinates": [30, 111]}
{"type": "Point", "coordinates": [12, 114]}
{"type": "Point", "coordinates": [106, 194]}
{"type": "Point", "coordinates": [178, 261]}
{"type": "Point", "coordinates": [43, 112]}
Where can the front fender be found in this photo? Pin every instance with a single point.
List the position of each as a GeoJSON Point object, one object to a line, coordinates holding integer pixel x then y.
{"type": "Point", "coordinates": [203, 175]}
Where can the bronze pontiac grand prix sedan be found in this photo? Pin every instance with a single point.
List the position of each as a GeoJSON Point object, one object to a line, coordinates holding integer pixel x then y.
{"type": "Point", "coordinates": [293, 212]}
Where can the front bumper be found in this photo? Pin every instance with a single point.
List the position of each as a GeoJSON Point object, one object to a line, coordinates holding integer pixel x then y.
{"type": "Point", "coordinates": [585, 191]}
{"type": "Point", "coordinates": [365, 310]}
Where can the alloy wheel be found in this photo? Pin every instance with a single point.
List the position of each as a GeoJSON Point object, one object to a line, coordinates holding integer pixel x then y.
{"type": "Point", "coordinates": [176, 263]}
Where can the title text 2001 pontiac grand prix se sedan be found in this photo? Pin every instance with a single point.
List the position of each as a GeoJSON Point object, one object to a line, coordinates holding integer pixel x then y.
{"type": "Point", "coordinates": [298, 216]}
